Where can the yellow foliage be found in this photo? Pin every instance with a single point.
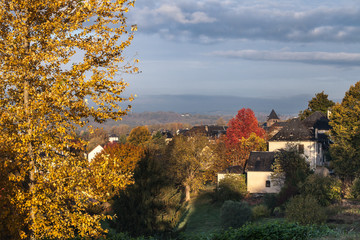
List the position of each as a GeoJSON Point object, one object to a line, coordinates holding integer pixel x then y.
{"type": "Point", "coordinates": [239, 153]}
{"type": "Point", "coordinates": [54, 54]}
{"type": "Point", "coordinates": [113, 169]}
{"type": "Point", "coordinates": [191, 159]}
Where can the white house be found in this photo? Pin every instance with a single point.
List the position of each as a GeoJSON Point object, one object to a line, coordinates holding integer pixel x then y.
{"type": "Point", "coordinates": [94, 152]}
{"type": "Point", "coordinates": [113, 138]}
{"type": "Point", "coordinates": [259, 172]}
{"type": "Point", "coordinates": [235, 170]}
{"type": "Point", "coordinates": [309, 136]}
{"type": "Point", "coordinates": [99, 148]}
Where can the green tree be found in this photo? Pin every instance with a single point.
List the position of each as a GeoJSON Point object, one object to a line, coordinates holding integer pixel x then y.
{"type": "Point", "coordinates": [234, 214]}
{"type": "Point", "coordinates": [305, 210]}
{"type": "Point", "coordinates": [345, 134]}
{"type": "Point", "coordinates": [290, 169]}
{"type": "Point", "coordinates": [318, 103]}
{"type": "Point", "coordinates": [153, 204]}
{"type": "Point", "coordinates": [231, 187]}
{"type": "Point", "coordinates": [139, 136]}
{"type": "Point", "coordinates": [325, 189]}
{"type": "Point", "coordinates": [55, 55]}
{"type": "Point", "coordinates": [220, 160]}
{"type": "Point", "coordinates": [190, 157]}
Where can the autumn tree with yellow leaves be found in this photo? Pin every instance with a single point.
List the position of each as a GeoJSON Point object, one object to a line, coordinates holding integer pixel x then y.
{"type": "Point", "coordinates": [114, 166]}
{"type": "Point", "coordinates": [191, 157]}
{"type": "Point", "coordinates": [54, 55]}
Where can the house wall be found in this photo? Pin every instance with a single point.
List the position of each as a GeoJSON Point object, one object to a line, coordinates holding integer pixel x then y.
{"type": "Point", "coordinates": [113, 139]}
{"type": "Point", "coordinates": [222, 175]}
{"type": "Point", "coordinates": [256, 183]}
{"type": "Point", "coordinates": [312, 150]}
{"type": "Point", "coordinates": [95, 151]}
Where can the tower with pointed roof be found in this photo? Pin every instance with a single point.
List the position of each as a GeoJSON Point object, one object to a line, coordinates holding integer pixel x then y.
{"type": "Point", "coordinates": [272, 118]}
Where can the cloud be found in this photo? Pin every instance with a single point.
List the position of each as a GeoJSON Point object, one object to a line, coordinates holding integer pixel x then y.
{"type": "Point", "coordinates": [323, 58]}
{"type": "Point", "coordinates": [175, 13]}
{"type": "Point", "coordinates": [252, 20]}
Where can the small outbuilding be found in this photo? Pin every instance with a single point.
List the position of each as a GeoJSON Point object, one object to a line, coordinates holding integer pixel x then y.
{"type": "Point", "coordinates": [232, 170]}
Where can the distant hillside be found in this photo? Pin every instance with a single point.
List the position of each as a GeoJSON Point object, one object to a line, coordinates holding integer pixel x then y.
{"type": "Point", "coordinates": [156, 118]}
{"type": "Point", "coordinates": [219, 105]}
{"type": "Point", "coordinates": [153, 118]}
{"type": "Point", "coordinates": [197, 110]}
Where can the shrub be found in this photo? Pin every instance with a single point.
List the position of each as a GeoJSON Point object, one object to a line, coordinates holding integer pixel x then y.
{"type": "Point", "coordinates": [271, 201]}
{"type": "Point", "coordinates": [234, 214]}
{"type": "Point", "coordinates": [305, 209]}
{"type": "Point", "coordinates": [231, 187]}
{"type": "Point", "coordinates": [260, 211]}
{"type": "Point", "coordinates": [286, 193]}
{"type": "Point", "coordinates": [355, 188]}
{"type": "Point", "coordinates": [273, 230]}
{"type": "Point", "coordinates": [326, 190]}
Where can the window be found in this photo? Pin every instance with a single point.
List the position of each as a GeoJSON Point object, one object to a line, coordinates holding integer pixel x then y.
{"type": "Point", "coordinates": [301, 148]}
{"type": "Point", "coordinates": [267, 184]}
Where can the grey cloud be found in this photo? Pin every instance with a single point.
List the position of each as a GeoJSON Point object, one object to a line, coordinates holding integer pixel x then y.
{"type": "Point", "coordinates": [174, 13]}
{"type": "Point", "coordinates": [219, 19]}
{"type": "Point", "coordinates": [324, 58]}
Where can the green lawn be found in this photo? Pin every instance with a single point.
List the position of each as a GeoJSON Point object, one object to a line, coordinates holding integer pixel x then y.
{"type": "Point", "coordinates": [203, 217]}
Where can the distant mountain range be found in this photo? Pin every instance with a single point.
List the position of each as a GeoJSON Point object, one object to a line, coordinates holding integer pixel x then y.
{"type": "Point", "coordinates": [218, 105]}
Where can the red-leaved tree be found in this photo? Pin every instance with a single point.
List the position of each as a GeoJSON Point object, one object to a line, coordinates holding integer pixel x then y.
{"type": "Point", "coordinates": [237, 139]}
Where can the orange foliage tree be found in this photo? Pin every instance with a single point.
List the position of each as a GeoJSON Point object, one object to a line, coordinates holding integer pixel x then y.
{"type": "Point", "coordinates": [243, 136]}
{"type": "Point", "coordinates": [113, 168]}
{"type": "Point", "coordinates": [139, 136]}
{"type": "Point", "coordinates": [239, 153]}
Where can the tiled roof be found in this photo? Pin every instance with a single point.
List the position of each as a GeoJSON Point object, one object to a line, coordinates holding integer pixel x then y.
{"type": "Point", "coordinates": [208, 130]}
{"type": "Point", "coordinates": [233, 169]}
{"type": "Point", "coordinates": [317, 120]}
{"type": "Point", "coordinates": [295, 130]}
{"type": "Point", "coordinates": [260, 161]}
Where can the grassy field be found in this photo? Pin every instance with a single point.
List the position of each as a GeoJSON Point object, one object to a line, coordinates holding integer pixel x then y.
{"type": "Point", "coordinates": [203, 217]}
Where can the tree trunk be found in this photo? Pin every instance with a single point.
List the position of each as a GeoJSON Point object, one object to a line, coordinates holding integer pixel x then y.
{"type": "Point", "coordinates": [187, 193]}
{"type": "Point", "coordinates": [31, 182]}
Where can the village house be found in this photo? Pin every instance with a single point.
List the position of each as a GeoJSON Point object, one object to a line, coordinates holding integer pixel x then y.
{"type": "Point", "coordinates": [99, 148]}
{"type": "Point", "coordinates": [259, 173]}
{"type": "Point", "coordinates": [310, 138]}
{"type": "Point", "coordinates": [211, 131]}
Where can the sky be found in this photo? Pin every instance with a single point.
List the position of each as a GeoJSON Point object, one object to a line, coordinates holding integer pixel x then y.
{"type": "Point", "coordinates": [252, 49]}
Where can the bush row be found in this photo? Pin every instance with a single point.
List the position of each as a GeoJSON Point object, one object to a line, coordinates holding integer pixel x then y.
{"type": "Point", "coordinates": [269, 230]}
